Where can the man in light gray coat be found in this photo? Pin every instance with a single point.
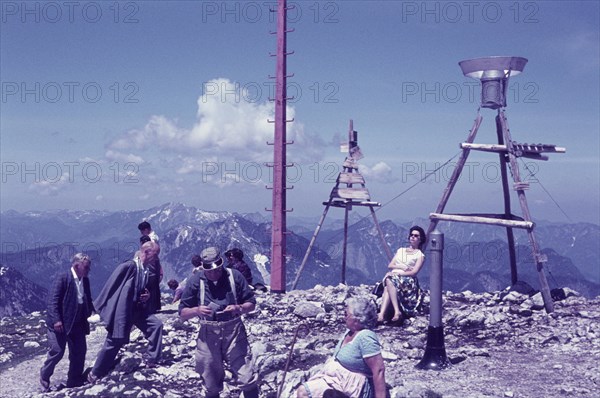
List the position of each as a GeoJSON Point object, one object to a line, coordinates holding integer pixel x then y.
{"type": "Point", "coordinates": [121, 304]}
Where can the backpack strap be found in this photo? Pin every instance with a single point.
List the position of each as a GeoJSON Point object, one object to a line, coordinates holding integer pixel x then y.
{"type": "Point", "coordinates": [202, 291]}
{"type": "Point", "coordinates": [232, 284]}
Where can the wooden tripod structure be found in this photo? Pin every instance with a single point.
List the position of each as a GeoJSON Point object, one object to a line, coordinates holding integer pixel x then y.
{"type": "Point", "coordinates": [349, 190]}
{"type": "Point", "coordinates": [508, 151]}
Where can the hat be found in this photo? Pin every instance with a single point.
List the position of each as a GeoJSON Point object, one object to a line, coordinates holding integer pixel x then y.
{"type": "Point", "coordinates": [211, 258]}
{"type": "Point", "coordinates": [235, 253]}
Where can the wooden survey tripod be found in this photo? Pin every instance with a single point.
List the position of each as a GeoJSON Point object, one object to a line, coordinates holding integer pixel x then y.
{"type": "Point", "coordinates": [349, 190]}
{"type": "Point", "coordinates": [508, 151]}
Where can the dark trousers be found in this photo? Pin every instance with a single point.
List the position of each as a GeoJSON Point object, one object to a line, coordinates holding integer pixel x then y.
{"type": "Point", "coordinates": [150, 325]}
{"type": "Point", "coordinates": [77, 349]}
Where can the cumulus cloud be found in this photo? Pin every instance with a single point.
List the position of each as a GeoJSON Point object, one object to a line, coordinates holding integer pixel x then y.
{"type": "Point", "coordinates": [49, 187]}
{"type": "Point", "coordinates": [117, 156]}
{"type": "Point", "coordinates": [380, 172]}
{"type": "Point", "coordinates": [227, 126]}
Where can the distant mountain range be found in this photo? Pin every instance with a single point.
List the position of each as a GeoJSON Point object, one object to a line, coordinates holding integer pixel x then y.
{"type": "Point", "coordinates": [18, 295]}
{"type": "Point", "coordinates": [39, 245]}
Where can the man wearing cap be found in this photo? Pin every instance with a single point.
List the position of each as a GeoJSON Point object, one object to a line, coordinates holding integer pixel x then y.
{"type": "Point", "coordinates": [122, 303]}
{"type": "Point", "coordinates": [218, 297]}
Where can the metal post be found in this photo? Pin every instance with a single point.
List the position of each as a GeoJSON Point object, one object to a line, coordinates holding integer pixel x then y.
{"type": "Point", "coordinates": [278, 244]}
{"type": "Point", "coordinates": [345, 248]}
{"type": "Point", "coordinates": [435, 352]}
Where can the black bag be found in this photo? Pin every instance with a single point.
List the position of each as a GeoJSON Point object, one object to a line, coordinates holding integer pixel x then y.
{"type": "Point", "coordinates": [378, 289]}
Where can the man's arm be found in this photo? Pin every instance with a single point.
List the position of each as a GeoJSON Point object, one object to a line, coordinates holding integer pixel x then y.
{"type": "Point", "coordinates": [189, 306]}
{"type": "Point", "coordinates": [55, 302]}
{"type": "Point", "coordinates": [88, 295]}
{"type": "Point", "coordinates": [246, 302]}
{"type": "Point", "coordinates": [201, 311]}
{"type": "Point", "coordinates": [240, 309]}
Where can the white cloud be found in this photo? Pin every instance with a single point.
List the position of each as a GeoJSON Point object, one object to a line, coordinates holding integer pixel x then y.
{"type": "Point", "coordinates": [191, 164]}
{"type": "Point", "coordinates": [117, 156]}
{"type": "Point", "coordinates": [50, 187]}
{"type": "Point", "coordinates": [228, 126]}
{"type": "Point", "coordinates": [380, 172]}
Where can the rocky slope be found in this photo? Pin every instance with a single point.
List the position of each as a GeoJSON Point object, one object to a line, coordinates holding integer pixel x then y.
{"type": "Point", "coordinates": [501, 344]}
{"type": "Point", "coordinates": [18, 295]}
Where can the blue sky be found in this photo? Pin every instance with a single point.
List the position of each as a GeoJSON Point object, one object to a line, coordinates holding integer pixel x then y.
{"type": "Point", "coordinates": [133, 104]}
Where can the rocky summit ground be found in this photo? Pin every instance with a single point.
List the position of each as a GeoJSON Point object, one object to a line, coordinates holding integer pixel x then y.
{"type": "Point", "coordinates": [500, 345]}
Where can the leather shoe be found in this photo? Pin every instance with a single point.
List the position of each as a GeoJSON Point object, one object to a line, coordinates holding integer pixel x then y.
{"type": "Point", "coordinates": [92, 378]}
{"type": "Point", "coordinates": [45, 385]}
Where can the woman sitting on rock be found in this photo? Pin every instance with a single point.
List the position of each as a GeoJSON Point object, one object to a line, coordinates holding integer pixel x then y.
{"type": "Point", "coordinates": [356, 368]}
{"type": "Point", "coordinates": [401, 286]}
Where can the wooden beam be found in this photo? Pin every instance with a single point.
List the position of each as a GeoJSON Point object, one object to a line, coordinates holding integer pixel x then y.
{"type": "Point", "coordinates": [455, 174]}
{"type": "Point", "coordinates": [526, 149]}
{"type": "Point", "coordinates": [338, 202]}
{"type": "Point", "coordinates": [538, 148]}
{"type": "Point", "coordinates": [502, 124]}
{"type": "Point", "coordinates": [520, 186]}
{"type": "Point", "coordinates": [351, 193]}
{"type": "Point", "coordinates": [510, 236]}
{"type": "Point", "coordinates": [484, 147]}
{"type": "Point", "coordinates": [350, 178]}
{"type": "Point", "coordinates": [310, 245]}
{"type": "Point", "coordinates": [482, 220]}
{"type": "Point", "coordinates": [349, 164]}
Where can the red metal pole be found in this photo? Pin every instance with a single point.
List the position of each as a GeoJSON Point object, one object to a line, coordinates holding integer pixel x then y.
{"type": "Point", "coordinates": [278, 240]}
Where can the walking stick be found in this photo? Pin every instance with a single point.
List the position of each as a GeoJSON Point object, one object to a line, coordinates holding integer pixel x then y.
{"type": "Point", "coordinates": [287, 364]}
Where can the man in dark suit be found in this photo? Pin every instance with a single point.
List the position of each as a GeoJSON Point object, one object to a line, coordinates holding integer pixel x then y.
{"type": "Point", "coordinates": [122, 303]}
{"type": "Point", "coordinates": [70, 304]}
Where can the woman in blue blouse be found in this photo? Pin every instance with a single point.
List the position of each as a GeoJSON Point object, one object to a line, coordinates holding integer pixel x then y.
{"type": "Point", "coordinates": [356, 368]}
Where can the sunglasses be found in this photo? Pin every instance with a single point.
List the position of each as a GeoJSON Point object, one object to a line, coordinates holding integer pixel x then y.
{"type": "Point", "coordinates": [414, 235]}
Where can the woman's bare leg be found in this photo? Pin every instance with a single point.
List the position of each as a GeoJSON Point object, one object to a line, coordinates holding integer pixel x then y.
{"type": "Point", "coordinates": [385, 302]}
{"type": "Point", "coordinates": [393, 294]}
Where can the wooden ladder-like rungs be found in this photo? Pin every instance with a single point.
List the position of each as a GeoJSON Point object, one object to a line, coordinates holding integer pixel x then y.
{"type": "Point", "coordinates": [351, 193]}
{"type": "Point", "coordinates": [350, 165]}
{"type": "Point", "coordinates": [350, 178]}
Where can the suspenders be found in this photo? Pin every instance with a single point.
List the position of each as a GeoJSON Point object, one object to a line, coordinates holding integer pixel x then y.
{"type": "Point", "coordinates": [231, 283]}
